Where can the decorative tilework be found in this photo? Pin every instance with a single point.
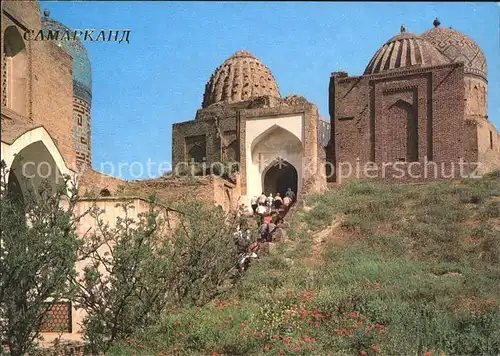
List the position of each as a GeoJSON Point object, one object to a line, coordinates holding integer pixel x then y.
{"type": "Point", "coordinates": [82, 70]}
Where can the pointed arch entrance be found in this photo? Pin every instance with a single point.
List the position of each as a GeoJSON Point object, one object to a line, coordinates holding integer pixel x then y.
{"type": "Point", "coordinates": [275, 161]}
{"type": "Point", "coordinates": [278, 177]}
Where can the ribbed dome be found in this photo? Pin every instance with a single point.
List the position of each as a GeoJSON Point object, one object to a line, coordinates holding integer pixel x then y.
{"type": "Point", "coordinates": [457, 47]}
{"type": "Point", "coordinates": [240, 78]}
{"type": "Point", "coordinates": [405, 50]}
{"type": "Point", "coordinates": [82, 70]}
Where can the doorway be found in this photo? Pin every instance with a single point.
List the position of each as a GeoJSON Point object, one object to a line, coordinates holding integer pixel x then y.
{"type": "Point", "coordinates": [279, 177]}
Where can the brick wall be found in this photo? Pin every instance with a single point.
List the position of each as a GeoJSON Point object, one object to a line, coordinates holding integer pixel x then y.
{"type": "Point", "coordinates": [94, 181]}
{"type": "Point", "coordinates": [370, 117]}
{"type": "Point", "coordinates": [488, 140]}
{"type": "Point", "coordinates": [49, 83]}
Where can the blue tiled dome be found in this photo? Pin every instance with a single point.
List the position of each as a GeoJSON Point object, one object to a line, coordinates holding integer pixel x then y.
{"type": "Point", "coordinates": [82, 71]}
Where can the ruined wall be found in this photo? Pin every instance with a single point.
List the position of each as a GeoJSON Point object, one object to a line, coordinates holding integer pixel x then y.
{"type": "Point", "coordinates": [403, 116]}
{"type": "Point", "coordinates": [488, 140]}
{"type": "Point", "coordinates": [48, 83]}
{"type": "Point", "coordinates": [93, 181]}
{"type": "Point", "coordinates": [214, 132]}
{"type": "Point", "coordinates": [476, 97]}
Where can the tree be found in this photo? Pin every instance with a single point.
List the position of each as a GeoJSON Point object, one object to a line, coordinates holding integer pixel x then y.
{"type": "Point", "coordinates": [125, 284]}
{"type": "Point", "coordinates": [203, 252]}
{"type": "Point", "coordinates": [38, 254]}
{"type": "Point", "coordinates": [135, 271]}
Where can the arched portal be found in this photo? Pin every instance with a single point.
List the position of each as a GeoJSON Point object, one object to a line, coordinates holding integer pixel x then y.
{"type": "Point", "coordinates": [30, 167]}
{"type": "Point", "coordinates": [275, 161]}
{"type": "Point", "coordinates": [280, 176]}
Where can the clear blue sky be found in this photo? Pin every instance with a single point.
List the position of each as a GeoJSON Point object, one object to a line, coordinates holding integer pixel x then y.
{"type": "Point", "coordinates": [140, 89]}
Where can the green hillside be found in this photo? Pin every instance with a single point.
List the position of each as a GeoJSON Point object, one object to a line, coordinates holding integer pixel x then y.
{"type": "Point", "coordinates": [367, 269]}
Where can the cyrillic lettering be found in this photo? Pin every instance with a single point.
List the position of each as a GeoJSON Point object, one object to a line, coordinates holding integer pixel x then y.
{"type": "Point", "coordinates": [77, 34]}
{"type": "Point", "coordinates": [87, 34]}
{"type": "Point", "coordinates": [66, 36]}
{"type": "Point", "coordinates": [111, 33]}
{"type": "Point", "coordinates": [40, 33]}
{"type": "Point", "coordinates": [50, 35]}
{"type": "Point", "coordinates": [29, 32]}
{"type": "Point", "coordinates": [125, 33]}
{"type": "Point", "coordinates": [103, 36]}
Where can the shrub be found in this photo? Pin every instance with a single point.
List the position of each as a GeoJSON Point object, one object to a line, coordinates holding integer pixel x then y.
{"type": "Point", "coordinates": [38, 254]}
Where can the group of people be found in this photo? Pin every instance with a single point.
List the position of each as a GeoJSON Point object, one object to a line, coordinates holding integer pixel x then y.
{"type": "Point", "coordinates": [264, 205]}
{"type": "Point", "coordinates": [270, 211]}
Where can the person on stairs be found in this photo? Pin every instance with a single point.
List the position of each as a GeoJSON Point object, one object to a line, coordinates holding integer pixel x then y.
{"type": "Point", "coordinates": [289, 193]}
{"type": "Point", "coordinates": [278, 202]}
{"type": "Point", "coordinates": [253, 203]}
{"type": "Point", "coordinates": [262, 199]}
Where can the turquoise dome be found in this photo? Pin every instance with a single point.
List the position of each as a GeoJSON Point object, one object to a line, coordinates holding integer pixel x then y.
{"type": "Point", "coordinates": [82, 71]}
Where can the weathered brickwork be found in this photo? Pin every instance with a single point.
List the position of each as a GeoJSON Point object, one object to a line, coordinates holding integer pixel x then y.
{"type": "Point", "coordinates": [221, 130]}
{"type": "Point", "coordinates": [48, 83]}
{"type": "Point", "coordinates": [405, 116]}
{"type": "Point", "coordinates": [170, 189]}
{"type": "Point", "coordinates": [415, 103]}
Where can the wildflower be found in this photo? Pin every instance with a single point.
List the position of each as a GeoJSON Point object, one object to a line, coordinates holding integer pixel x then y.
{"type": "Point", "coordinates": [294, 326]}
{"type": "Point", "coordinates": [276, 337]}
{"type": "Point", "coordinates": [266, 348]}
{"type": "Point", "coordinates": [376, 348]}
{"type": "Point", "coordinates": [428, 353]}
{"type": "Point", "coordinates": [176, 323]}
{"type": "Point", "coordinates": [364, 353]}
{"type": "Point", "coordinates": [287, 339]}
{"type": "Point", "coordinates": [296, 349]}
{"type": "Point", "coordinates": [353, 315]}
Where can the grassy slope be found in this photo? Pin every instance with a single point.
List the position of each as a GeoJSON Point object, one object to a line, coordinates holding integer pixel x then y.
{"type": "Point", "coordinates": [369, 269]}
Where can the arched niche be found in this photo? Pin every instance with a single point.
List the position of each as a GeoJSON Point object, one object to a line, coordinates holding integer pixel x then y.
{"type": "Point", "coordinates": [273, 143]}
{"type": "Point", "coordinates": [15, 67]}
{"type": "Point", "coordinates": [406, 112]}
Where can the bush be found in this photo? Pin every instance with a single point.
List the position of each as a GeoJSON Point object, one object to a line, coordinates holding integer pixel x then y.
{"type": "Point", "coordinates": [134, 272]}
{"type": "Point", "coordinates": [38, 255]}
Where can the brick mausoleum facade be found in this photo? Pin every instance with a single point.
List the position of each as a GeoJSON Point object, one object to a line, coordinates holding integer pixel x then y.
{"type": "Point", "coordinates": [421, 97]}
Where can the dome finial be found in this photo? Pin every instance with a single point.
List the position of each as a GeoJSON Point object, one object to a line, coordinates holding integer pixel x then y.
{"type": "Point", "coordinates": [436, 22]}
{"type": "Point", "coordinates": [403, 28]}
{"type": "Point", "coordinates": [46, 13]}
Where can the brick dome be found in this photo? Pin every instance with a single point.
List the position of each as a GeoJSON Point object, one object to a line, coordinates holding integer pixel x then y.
{"type": "Point", "coordinates": [405, 50]}
{"type": "Point", "coordinates": [457, 47]}
{"type": "Point", "coordinates": [240, 78]}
